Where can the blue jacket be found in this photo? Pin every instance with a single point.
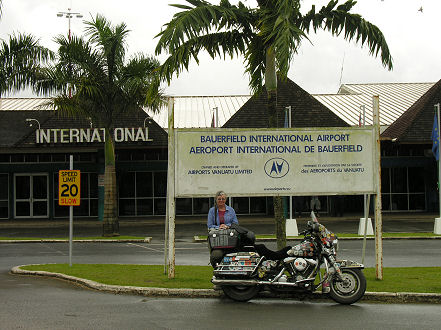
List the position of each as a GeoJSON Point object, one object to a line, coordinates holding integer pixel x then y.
{"type": "Point", "coordinates": [229, 217]}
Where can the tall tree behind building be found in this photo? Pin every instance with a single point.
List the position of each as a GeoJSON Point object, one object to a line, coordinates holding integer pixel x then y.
{"type": "Point", "coordinates": [92, 79]}
{"type": "Point", "coordinates": [268, 37]}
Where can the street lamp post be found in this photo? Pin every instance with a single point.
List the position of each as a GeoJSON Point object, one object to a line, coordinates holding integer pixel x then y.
{"type": "Point", "coordinates": [69, 15]}
{"type": "Point", "coordinates": [30, 120]}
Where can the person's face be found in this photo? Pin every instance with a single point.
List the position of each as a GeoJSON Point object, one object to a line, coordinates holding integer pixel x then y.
{"type": "Point", "coordinates": [220, 200]}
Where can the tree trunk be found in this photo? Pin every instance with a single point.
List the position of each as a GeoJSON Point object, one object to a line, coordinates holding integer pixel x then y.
{"type": "Point", "coordinates": [110, 218]}
{"type": "Point", "coordinates": [271, 88]}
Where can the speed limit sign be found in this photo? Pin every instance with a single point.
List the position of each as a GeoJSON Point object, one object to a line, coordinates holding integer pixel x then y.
{"type": "Point", "coordinates": [69, 182]}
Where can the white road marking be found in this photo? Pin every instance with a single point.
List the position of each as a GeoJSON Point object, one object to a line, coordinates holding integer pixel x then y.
{"type": "Point", "coordinates": [145, 247]}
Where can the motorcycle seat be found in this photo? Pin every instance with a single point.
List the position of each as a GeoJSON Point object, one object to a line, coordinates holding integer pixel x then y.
{"type": "Point", "coordinates": [262, 250]}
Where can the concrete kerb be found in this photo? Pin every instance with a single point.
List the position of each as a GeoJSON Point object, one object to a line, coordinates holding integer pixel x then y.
{"type": "Point", "coordinates": [117, 289]}
{"type": "Point", "coordinates": [381, 297]}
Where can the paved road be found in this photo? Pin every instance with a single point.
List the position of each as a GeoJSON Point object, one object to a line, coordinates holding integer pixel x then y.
{"type": "Point", "coordinates": [42, 303]}
{"type": "Point", "coordinates": [397, 253]}
{"type": "Point", "coordinates": [187, 227]}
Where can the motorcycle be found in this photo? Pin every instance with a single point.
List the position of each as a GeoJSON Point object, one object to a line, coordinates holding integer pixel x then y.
{"type": "Point", "coordinates": [246, 270]}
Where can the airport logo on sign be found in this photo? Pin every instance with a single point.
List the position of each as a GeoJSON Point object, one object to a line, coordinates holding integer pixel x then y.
{"type": "Point", "coordinates": [276, 168]}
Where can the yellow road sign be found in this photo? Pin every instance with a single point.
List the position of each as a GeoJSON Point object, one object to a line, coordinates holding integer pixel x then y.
{"type": "Point", "coordinates": [69, 183]}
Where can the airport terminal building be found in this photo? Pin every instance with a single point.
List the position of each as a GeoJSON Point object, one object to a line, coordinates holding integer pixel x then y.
{"type": "Point", "coordinates": [35, 143]}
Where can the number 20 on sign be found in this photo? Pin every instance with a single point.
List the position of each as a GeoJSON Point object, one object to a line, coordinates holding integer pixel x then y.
{"type": "Point", "coordinates": [69, 182]}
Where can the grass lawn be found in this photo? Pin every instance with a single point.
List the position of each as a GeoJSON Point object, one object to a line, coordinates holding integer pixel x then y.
{"type": "Point", "coordinates": [412, 279]}
{"type": "Point", "coordinates": [195, 277]}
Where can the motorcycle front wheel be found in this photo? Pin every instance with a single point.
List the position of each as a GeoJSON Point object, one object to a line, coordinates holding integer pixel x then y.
{"type": "Point", "coordinates": [241, 293]}
{"type": "Point", "coordinates": [351, 289]}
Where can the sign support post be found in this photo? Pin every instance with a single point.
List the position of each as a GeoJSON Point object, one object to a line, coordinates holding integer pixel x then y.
{"type": "Point", "coordinates": [69, 194]}
{"type": "Point", "coordinates": [171, 209]}
{"type": "Point", "coordinates": [437, 225]}
{"type": "Point", "coordinates": [70, 218]}
{"type": "Point", "coordinates": [366, 199]}
{"type": "Point", "coordinates": [378, 215]}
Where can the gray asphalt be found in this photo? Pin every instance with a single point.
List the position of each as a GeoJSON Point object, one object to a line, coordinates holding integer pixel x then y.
{"type": "Point", "coordinates": [187, 227]}
{"type": "Point", "coordinates": [396, 253]}
{"type": "Point", "coordinates": [45, 303]}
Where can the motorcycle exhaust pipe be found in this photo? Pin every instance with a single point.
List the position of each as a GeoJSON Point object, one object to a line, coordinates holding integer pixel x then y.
{"type": "Point", "coordinates": [235, 282]}
{"type": "Point", "coordinates": [254, 282]}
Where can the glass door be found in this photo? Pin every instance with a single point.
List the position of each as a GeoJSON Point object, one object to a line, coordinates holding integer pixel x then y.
{"type": "Point", "coordinates": [31, 195]}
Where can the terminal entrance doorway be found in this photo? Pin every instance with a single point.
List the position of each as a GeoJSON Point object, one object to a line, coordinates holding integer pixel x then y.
{"type": "Point", "coordinates": [31, 195]}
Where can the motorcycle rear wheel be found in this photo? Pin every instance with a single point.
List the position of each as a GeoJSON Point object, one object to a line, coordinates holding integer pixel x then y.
{"type": "Point", "coordinates": [351, 289]}
{"type": "Point", "coordinates": [241, 293]}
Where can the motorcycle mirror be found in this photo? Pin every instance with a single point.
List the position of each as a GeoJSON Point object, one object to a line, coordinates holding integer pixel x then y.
{"type": "Point", "coordinates": [313, 217]}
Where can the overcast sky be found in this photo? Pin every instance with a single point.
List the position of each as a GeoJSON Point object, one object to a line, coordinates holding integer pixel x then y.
{"type": "Point", "coordinates": [321, 65]}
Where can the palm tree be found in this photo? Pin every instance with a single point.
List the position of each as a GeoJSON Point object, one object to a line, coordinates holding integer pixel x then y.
{"type": "Point", "coordinates": [267, 36]}
{"type": "Point", "coordinates": [93, 80]}
{"type": "Point", "coordinates": [20, 59]}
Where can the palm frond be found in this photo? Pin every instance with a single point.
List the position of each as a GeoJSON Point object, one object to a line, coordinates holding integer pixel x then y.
{"type": "Point", "coordinates": [217, 44]}
{"type": "Point", "coordinates": [142, 82]}
{"type": "Point", "coordinates": [110, 39]}
{"type": "Point", "coordinates": [339, 20]}
{"type": "Point", "coordinates": [91, 78]}
{"type": "Point", "coordinates": [20, 60]}
{"type": "Point", "coordinates": [203, 18]}
{"type": "Point", "coordinates": [278, 27]}
{"type": "Point", "coordinates": [255, 63]}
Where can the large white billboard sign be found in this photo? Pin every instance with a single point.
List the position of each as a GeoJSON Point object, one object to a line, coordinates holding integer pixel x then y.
{"type": "Point", "coordinates": [263, 162]}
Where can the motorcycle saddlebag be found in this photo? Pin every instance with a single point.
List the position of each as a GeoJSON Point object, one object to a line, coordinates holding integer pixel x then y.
{"type": "Point", "coordinates": [237, 264]}
{"type": "Point", "coordinates": [223, 238]}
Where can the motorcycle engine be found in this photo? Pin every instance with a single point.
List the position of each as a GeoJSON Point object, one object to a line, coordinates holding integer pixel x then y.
{"type": "Point", "coordinates": [300, 264]}
{"type": "Point", "coordinates": [301, 267]}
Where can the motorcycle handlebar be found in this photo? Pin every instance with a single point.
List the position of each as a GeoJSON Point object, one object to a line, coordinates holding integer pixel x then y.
{"type": "Point", "coordinates": [304, 232]}
{"type": "Point", "coordinates": [313, 226]}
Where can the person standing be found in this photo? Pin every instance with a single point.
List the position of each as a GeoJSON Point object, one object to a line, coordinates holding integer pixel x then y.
{"type": "Point", "coordinates": [315, 205]}
{"type": "Point", "coordinates": [221, 216]}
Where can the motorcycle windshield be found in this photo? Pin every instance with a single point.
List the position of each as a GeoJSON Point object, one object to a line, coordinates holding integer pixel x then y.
{"type": "Point", "coordinates": [326, 236]}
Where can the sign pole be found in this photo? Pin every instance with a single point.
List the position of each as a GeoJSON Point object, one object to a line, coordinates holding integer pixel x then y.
{"type": "Point", "coordinates": [378, 215]}
{"type": "Point", "coordinates": [439, 168]}
{"type": "Point", "coordinates": [437, 225]}
{"type": "Point", "coordinates": [366, 198]}
{"type": "Point", "coordinates": [69, 194]}
{"type": "Point", "coordinates": [171, 191]}
{"type": "Point", "coordinates": [290, 197]}
{"type": "Point", "coordinates": [70, 218]}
